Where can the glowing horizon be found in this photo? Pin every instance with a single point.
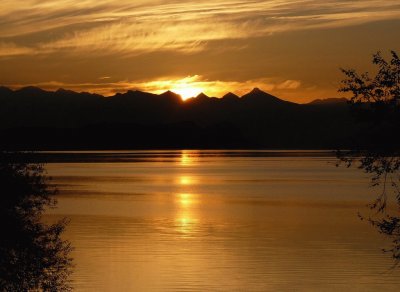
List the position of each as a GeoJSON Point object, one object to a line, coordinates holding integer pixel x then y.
{"type": "Point", "coordinates": [292, 49]}
{"type": "Point", "coordinates": [187, 87]}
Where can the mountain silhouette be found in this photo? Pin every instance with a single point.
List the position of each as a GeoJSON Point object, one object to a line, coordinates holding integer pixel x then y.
{"type": "Point", "coordinates": [257, 94]}
{"type": "Point", "coordinates": [230, 95]}
{"type": "Point", "coordinates": [202, 96]}
{"type": "Point", "coordinates": [171, 97]}
{"type": "Point", "coordinates": [330, 101]}
{"type": "Point", "coordinates": [5, 91]}
{"type": "Point", "coordinates": [32, 118]}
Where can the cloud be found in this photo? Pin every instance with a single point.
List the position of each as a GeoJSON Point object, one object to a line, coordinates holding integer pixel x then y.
{"type": "Point", "coordinates": [289, 84]}
{"type": "Point", "coordinates": [136, 38]}
{"type": "Point", "coordinates": [8, 49]}
{"type": "Point", "coordinates": [136, 27]}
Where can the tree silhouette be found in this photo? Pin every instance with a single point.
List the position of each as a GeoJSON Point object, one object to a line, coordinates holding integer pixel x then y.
{"type": "Point", "coordinates": [375, 103]}
{"type": "Point", "coordinates": [32, 254]}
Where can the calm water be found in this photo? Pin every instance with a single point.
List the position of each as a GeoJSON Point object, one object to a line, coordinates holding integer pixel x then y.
{"type": "Point", "coordinates": [218, 221]}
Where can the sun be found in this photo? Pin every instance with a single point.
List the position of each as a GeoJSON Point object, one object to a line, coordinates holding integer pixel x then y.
{"type": "Point", "coordinates": [187, 91]}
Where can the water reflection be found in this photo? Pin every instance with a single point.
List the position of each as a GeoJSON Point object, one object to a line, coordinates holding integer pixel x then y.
{"type": "Point", "coordinates": [186, 180]}
{"type": "Point", "coordinates": [178, 221]}
{"type": "Point", "coordinates": [186, 219]}
{"type": "Point", "coordinates": [185, 200]}
{"type": "Point", "coordinates": [188, 157]}
{"type": "Point", "coordinates": [383, 166]}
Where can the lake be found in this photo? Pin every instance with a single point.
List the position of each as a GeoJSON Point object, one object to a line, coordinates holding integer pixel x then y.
{"type": "Point", "coordinates": [218, 221]}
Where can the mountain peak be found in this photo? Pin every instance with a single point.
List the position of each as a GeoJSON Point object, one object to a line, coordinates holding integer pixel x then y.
{"type": "Point", "coordinates": [258, 93]}
{"type": "Point", "coordinates": [256, 90]}
{"type": "Point", "coordinates": [262, 97]}
{"type": "Point", "coordinates": [65, 91]}
{"type": "Point", "coordinates": [171, 95]}
{"type": "Point", "coordinates": [202, 95]}
{"type": "Point", "coordinates": [4, 90]}
{"type": "Point", "coordinates": [135, 92]}
{"type": "Point", "coordinates": [31, 89]}
{"type": "Point", "coordinates": [230, 95]}
{"type": "Point", "coordinates": [329, 101]}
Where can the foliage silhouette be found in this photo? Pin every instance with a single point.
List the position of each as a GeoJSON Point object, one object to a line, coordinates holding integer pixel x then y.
{"type": "Point", "coordinates": [32, 254]}
{"type": "Point", "coordinates": [375, 104]}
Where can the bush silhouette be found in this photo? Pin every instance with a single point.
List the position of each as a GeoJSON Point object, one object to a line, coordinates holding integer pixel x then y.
{"type": "Point", "coordinates": [32, 254]}
{"type": "Point", "coordinates": [375, 103]}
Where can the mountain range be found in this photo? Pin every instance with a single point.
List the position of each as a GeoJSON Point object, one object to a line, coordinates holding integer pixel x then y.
{"type": "Point", "coordinates": [32, 118]}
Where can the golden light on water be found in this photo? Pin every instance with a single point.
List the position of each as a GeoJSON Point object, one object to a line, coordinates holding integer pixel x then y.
{"type": "Point", "coordinates": [186, 180]}
{"type": "Point", "coordinates": [188, 157]}
{"type": "Point", "coordinates": [185, 158]}
{"type": "Point", "coordinates": [185, 219]}
{"type": "Point", "coordinates": [185, 199]}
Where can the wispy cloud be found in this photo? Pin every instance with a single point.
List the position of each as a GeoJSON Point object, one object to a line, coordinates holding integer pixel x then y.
{"type": "Point", "coordinates": [141, 26]}
{"type": "Point", "coordinates": [8, 49]}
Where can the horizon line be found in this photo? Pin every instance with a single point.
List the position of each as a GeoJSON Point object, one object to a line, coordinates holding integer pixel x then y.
{"type": "Point", "coordinates": [202, 93]}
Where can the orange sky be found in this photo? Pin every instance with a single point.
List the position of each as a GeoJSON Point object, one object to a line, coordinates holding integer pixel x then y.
{"type": "Point", "coordinates": [292, 48]}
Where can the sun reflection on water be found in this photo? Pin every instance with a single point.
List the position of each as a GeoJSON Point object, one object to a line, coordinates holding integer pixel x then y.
{"type": "Point", "coordinates": [186, 219]}
{"type": "Point", "coordinates": [185, 199]}
{"type": "Point", "coordinates": [186, 180]}
{"type": "Point", "coordinates": [188, 157]}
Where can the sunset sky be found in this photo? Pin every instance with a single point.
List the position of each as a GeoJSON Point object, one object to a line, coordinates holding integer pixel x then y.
{"type": "Point", "coordinates": [291, 48]}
